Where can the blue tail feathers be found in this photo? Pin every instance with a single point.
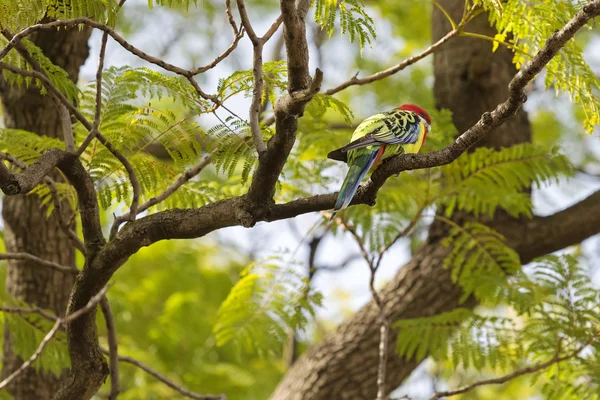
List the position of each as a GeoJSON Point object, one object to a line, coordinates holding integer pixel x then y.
{"type": "Point", "coordinates": [358, 169]}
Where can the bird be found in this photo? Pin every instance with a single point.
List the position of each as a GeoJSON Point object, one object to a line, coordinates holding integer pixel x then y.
{"type": "Point", "coordinates": [402, 130]}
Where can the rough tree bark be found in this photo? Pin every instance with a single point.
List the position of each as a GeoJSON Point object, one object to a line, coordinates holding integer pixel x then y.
{"type": "Point", "coordinates": [26, 227]}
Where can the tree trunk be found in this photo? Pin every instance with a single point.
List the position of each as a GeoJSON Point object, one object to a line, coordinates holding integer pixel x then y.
{"type": "Point", "coordinates": [469, 80]}
{"type": "Point", "coordinates": [26, 227]}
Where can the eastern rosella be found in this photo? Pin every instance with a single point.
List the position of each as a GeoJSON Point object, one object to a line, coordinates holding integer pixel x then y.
{"type": "Point", "coordinates": [399, 131]}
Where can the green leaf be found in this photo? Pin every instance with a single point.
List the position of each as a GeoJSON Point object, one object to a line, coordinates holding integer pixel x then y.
{"type": "Point", "coordinates": [269, 301]}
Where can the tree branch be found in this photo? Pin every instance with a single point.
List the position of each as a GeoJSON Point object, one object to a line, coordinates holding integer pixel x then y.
{"type": "Point", "coordinates": [64, 224]}
{"type": "Point", "coordinates": [111, 330]}
{"type": "Point", "coordinates": [257, 70]}
{"type": "Point", "coordinates": [65, 119]}
{"type": "Point", "coordinates": [119, 39]}
{"type": "Point", "coordinates": [34, 356]}
{"type": "Point", "coordinates": [13, 184]}
{"type": "Point", "coordinates": [40, 261]}
{"type": "Point", "coordinates": [183, 179]}
{"type": "Point", "coordinates": [544, 235]}
{"type": "Point", "coordinates": [31, 310]}
{"type": "Point", "coordinates": [246, 22]}
{"type": "Point", "coordinates": [287, 110]}
{"type": "Point", "coordinates": [384, 326]}
{"type": "Point", "coordinates": [59, 321]}
{"type": "Point", "coordinates": [185, 392]}
{"type": "Point", "coordinates": [503, 379]}
{"type": "Point", "coordinates": [396, 68]}
{"type": "Point", "coordinates": [98, 110]}
{"type": "Point", "coordinates": [88, 202]}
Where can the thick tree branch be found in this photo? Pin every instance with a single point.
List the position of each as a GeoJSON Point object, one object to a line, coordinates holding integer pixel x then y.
{"type": "Point", "coordinates": [88, 202]}
{"type": "Point", "coordinates": [13, 184]}
{"type": "Point", "coordinates": [184, 178]}
{"type": "Point", "coordinates": [287, 110]}
{"type": "Point", "coordinates": [64, 223]}
{"type": "Point", "coordinates": [544, 235]}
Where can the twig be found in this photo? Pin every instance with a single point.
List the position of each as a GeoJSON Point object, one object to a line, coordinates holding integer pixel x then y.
{"type": "Point", "coordinates": [500, 380]}
{"type": "Point", "coordinates": [257, 70]}
{"type": "Point", "coordinates": [59, 321]}
{"type": "Point", "coordinates": [40, 261]}
{"type": "Point", "coordinates": [246, 22]}
{"type": "Point", "coordinates": [64, 224]}
{"type": "Point", "coordinates": [29, 310]}
{"type": "Point", "coordinates": [405, 63]}
{"type": "Point", "coordinates": [413, 222]}
{"type": "Point", "coordinates": [230, 17]}
{"type": "Point", "coordinates": [14, 40]}
{"type": "Point", "coordinates": [95, 133]}
{"type": "Point", "coordinates": [273, 28]}
{"type": "Point", "coordinates": [184, 178]}
{"type": "Point", "coordinates": [135, 183]}
{"type": "Point", "coordinates": [119, 39]}
{"type": "Point", "coordinates": [338, 267]}
{"type": "Point", "coordinates": [65, 120]}
{"type": "Point", "coordinates": [98, 110]}
{"type": "Point", "coordinates": [383, 355]}
{"type": "Point", "coordinates": [34, 356]}
{"type": "Point", "coordinates": [383, 322]}
{"type": "Point", "coordinates": [115, 385]}
{"type": "Point", "coordinates": [12, 159]}
{"type": "Point", "coordinates": [255, 105]}
{"type": "Point", "coordinates": [185, 392]}
{"type": "Point", "coordinates": [220, 57]}
{"type": "Point", "coordinates": [349, 228]}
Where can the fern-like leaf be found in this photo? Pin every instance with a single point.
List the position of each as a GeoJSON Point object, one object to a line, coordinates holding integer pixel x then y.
{"type": "Point", "coordinates": [354, 20]}
{"type": "Point", "coordinates": [486, 179]}
{"type": "Point", "coordinates": [478, 250]}
{"type": "Point", "coordinates": [269, 301]}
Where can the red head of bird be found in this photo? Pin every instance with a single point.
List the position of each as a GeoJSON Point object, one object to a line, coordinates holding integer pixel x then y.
{"type": "Point", "coordinates": [421, 113]}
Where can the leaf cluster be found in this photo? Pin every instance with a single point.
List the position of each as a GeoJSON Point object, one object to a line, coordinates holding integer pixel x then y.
{"type": "Point", "coordinates": [354, 20]}
{"type": "Point", "coordinates": [528, 25]}
{"type": "Point", "coordinates": [546, 313]}
{"type": "Point", "coordinates": [270, 300]}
